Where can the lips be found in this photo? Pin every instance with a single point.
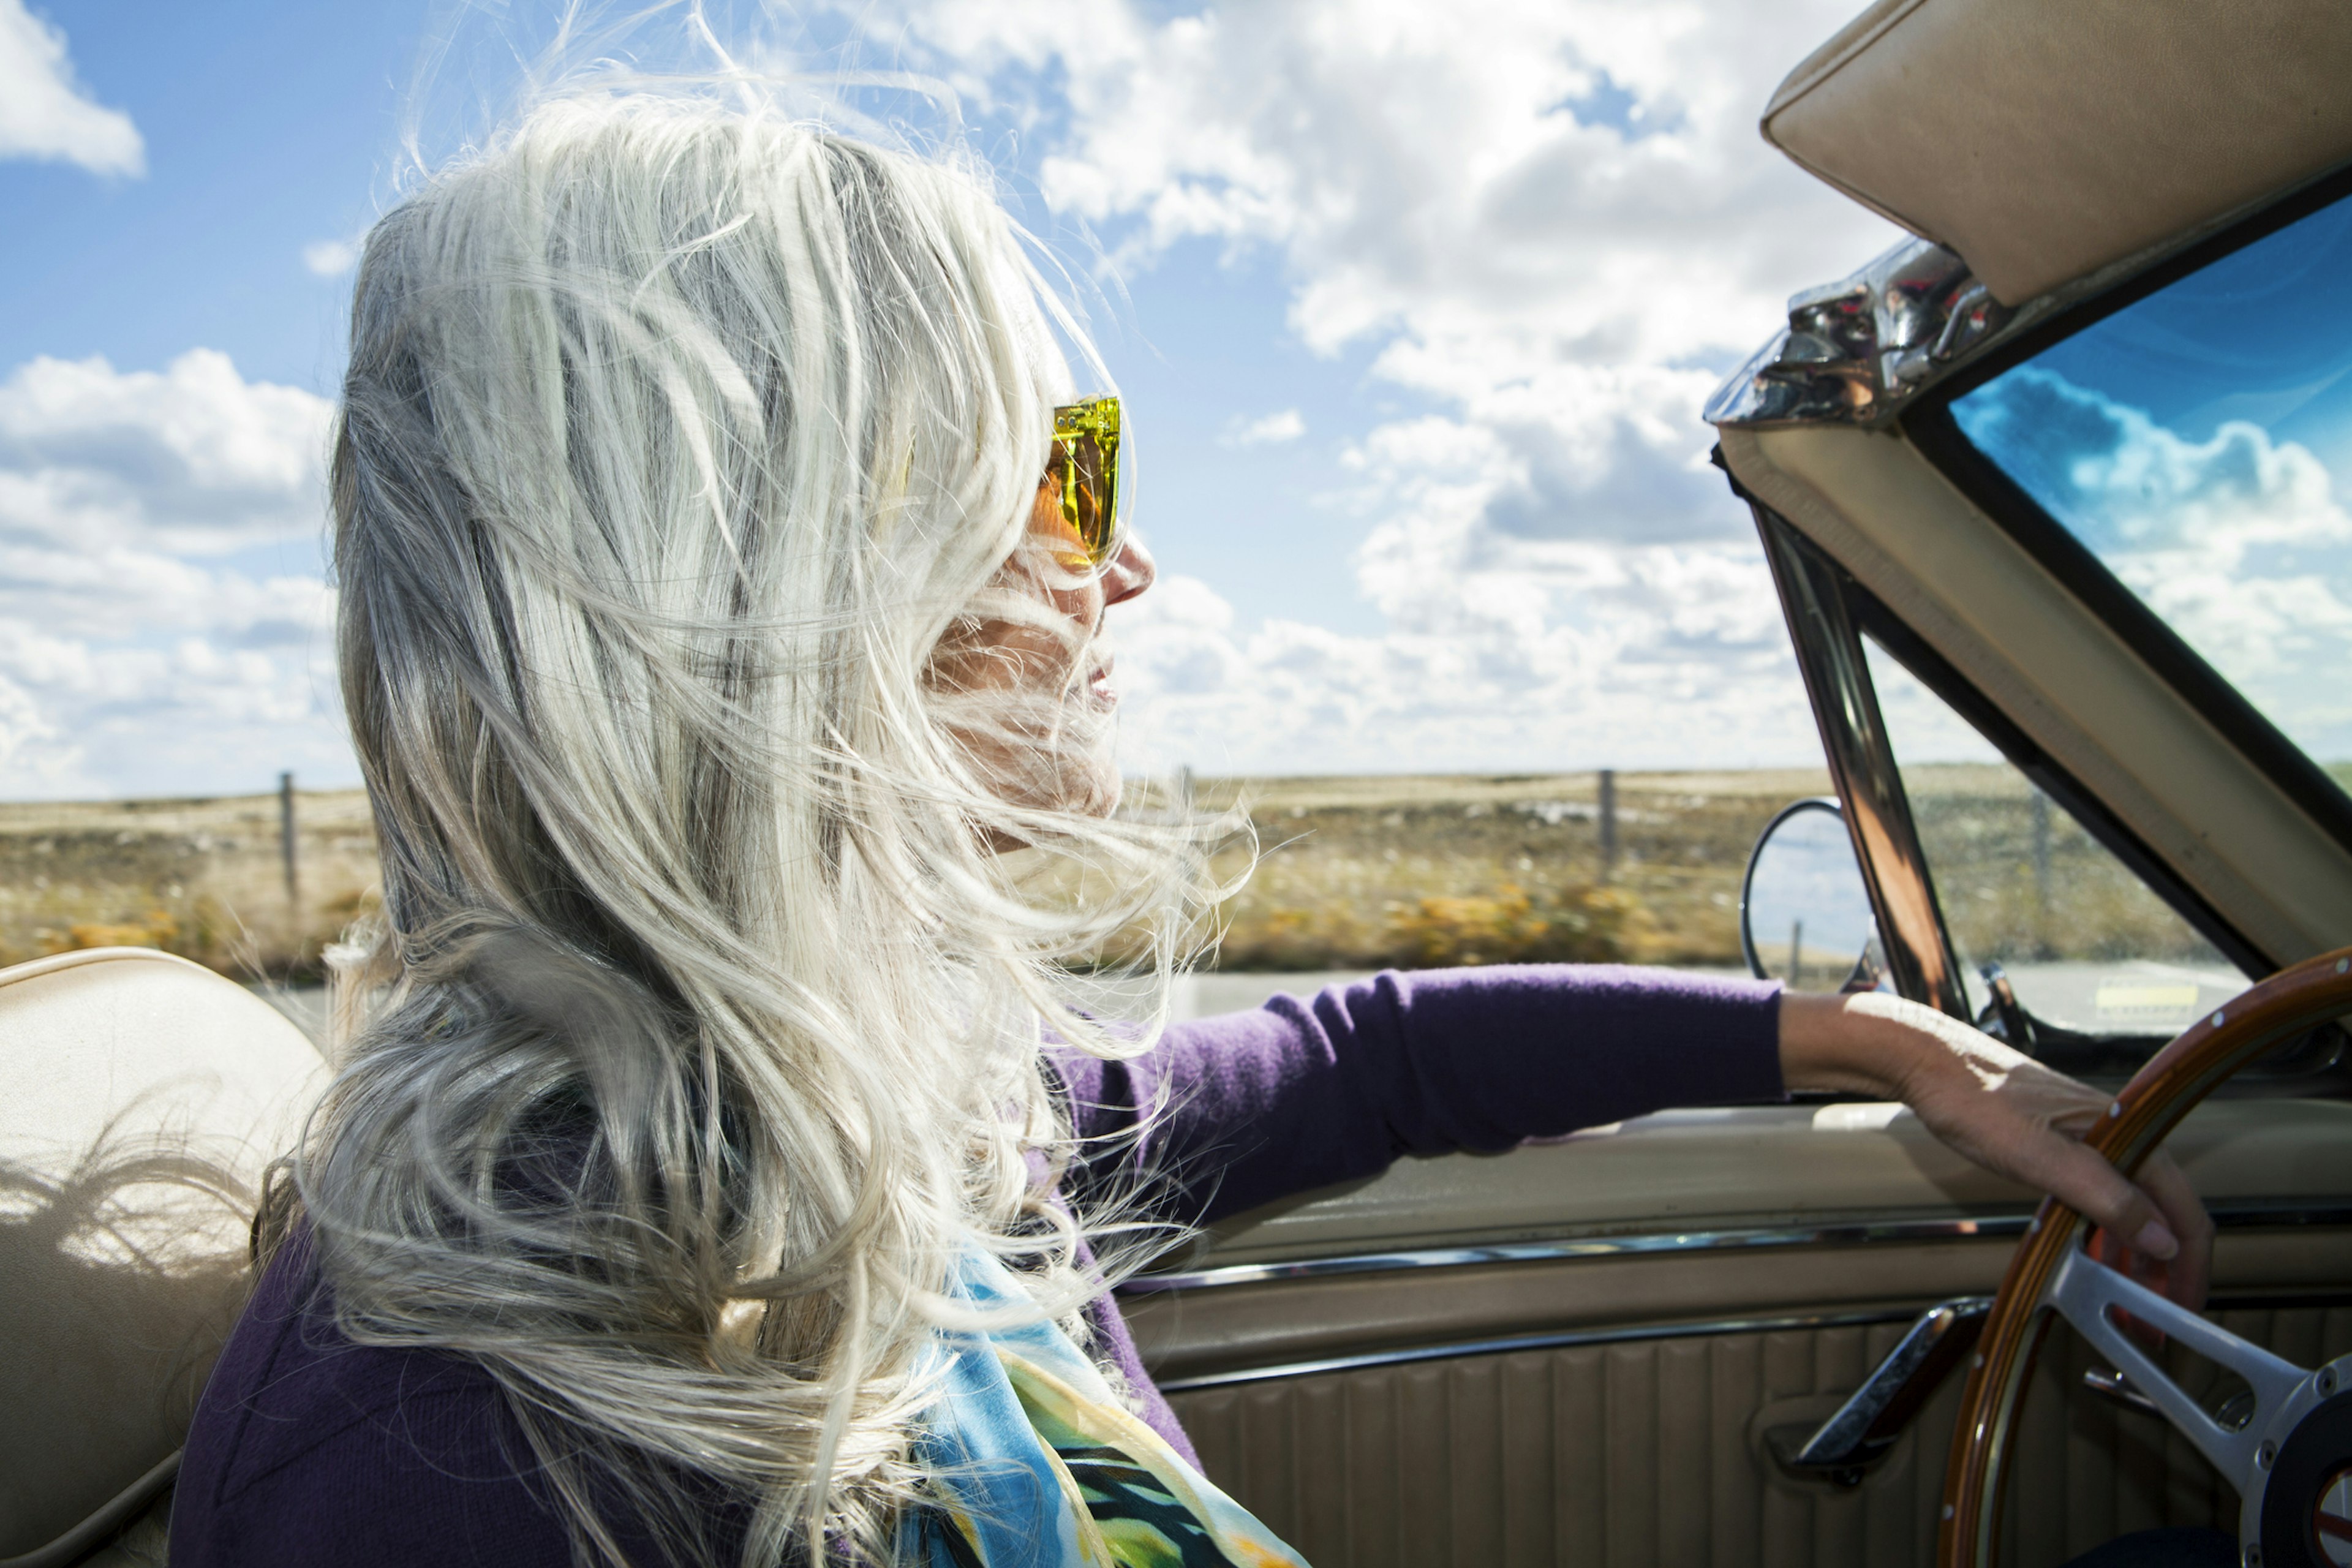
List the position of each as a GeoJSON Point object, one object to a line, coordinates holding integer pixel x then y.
{"type": "Point", "coordinates": [1099, 687]}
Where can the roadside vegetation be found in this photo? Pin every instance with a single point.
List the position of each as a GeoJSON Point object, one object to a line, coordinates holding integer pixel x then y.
{"type": "Point", "coordinates": [2020, 882]}
{"type": "Point", "coordinates": [203, 879]}
{"type": "Point", "coordinates": [1365, 871]}
{"type": "Point", "coordinates": [1353, 873]}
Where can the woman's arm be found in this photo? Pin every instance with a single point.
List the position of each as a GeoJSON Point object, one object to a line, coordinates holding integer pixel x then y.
{"type": "Point", "coordinates": [1299, 1094]}
{"type": "Point", "coordinates": [1247, 1108]}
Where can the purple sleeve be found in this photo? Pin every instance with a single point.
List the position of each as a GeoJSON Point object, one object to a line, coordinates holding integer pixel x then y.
{"type": "Point", "coordinates": [1296, 1095]}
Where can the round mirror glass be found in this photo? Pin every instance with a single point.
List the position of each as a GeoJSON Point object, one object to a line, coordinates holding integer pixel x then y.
{"type": "Point", "coordinates": [1804, 915]}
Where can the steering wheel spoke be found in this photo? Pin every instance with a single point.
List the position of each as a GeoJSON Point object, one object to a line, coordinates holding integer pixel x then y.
{"type": "Point", "coordinates": [2086, 1292]}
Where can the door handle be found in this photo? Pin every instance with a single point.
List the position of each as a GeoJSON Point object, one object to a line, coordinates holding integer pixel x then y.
{"type": "Point", "coordinates": [1861, 1431]}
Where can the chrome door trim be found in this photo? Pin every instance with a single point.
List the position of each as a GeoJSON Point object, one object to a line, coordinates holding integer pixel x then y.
{"type": "Point", "coordinates": [1539, 1342]}
{"type": "Point", "coordinates": [2230, 1216]}
{"type": "Point", "coordinates": [1455, 1350]}
{"type": "Point", "coordinates": [1919, 955]}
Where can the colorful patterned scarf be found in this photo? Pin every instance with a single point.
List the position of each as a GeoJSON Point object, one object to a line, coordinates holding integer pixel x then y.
{"type": "Point", "coordinates": [1039, 1466]}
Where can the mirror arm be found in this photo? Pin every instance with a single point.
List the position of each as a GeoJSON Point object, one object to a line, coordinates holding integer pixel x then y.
{"type": "Point", "coordinates": [1867, 1424]}
{"type": "Point", "coordinates": [1869, 970]}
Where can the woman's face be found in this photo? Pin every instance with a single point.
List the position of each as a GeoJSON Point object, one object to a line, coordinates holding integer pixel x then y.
{"type": "Point", "coordinates": [1037, 681]}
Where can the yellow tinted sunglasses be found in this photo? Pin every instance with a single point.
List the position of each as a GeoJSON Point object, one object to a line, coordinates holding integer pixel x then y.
{"type": "Point", "coordinates": [1083, 474]}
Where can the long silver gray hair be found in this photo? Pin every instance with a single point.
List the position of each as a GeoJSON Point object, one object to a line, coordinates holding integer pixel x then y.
{"type": "Point", "coordinates": [705, 1012]}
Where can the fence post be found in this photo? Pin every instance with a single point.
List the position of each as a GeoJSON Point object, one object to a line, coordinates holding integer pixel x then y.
{"type": "Point", "coordinates": [1608, 822]}
{"type": "Point", "coordinates": [2040, 852]}
{"type": "Point", "coordinates": [285, 852]}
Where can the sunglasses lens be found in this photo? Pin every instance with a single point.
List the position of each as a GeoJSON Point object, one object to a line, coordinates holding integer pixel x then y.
{"type": "Point", "coordinates": [1086, 470]}
{"type": "Point", "coordinates": [1089, 496]}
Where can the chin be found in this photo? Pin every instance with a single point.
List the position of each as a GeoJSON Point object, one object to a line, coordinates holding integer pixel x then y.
{"type": "Point", "coordinates": [1097, 792]}
{"type": "Point", "coordinates": [1060, 759]}
{"type": "Point", "coordinates": [1087, 777]}
{"type": "Point", "coordinates": [1084, 781]}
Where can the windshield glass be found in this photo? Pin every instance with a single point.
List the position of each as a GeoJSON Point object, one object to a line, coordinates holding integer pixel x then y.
{"type": "Point", "coordinates": [2084, 944]}
{"type": "Point", "coordinates": [2198, 443]}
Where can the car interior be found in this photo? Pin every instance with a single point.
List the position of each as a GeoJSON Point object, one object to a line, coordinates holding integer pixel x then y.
{"type": "Point", "coordinates": [1736, 1335]}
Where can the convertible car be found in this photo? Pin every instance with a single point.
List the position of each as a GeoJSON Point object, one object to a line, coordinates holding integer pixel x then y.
{"type": "Point", "coordinates": [2051, 482]}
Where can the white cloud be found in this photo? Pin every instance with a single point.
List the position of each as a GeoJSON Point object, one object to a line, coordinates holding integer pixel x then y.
{"type": "Point", "coordinates": [1269, 430]}
{"type": "Point", "coordinates": [329, 257]}
{"type": "Point", "coordinates": [2237, 541]}
{"type": "Point", "coordinates": [1920, 725]}
{"type": "Point", "coordinates": [192, 459]}
{"type": "Point", "coordinates": [1556, 229]}
{"type": "Point", "coordinates": [44, 112]}
{"type": "Point", "coordinates": [143, 648]}
{"type": "Point", "coordinates": [1452, 186]}
{"type": "Point", "coordinates": [1457, 692]}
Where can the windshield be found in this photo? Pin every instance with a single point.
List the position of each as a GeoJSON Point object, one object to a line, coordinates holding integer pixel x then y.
{"type": "Point", "coordinates": [2198, 441]}
{"type": "Point", "coordinates": [2084, 944]}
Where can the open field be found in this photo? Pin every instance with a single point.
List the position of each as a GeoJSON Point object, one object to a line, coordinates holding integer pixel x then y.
{"type": "Point", "coordinates": [1454, 869]}
{"type": "Point", "coordinates": [203, 879]}
{"type": "Point", "coordinates": [1355, 872]}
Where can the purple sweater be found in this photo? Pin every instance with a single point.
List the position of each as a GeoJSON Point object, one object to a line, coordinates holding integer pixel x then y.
{"type": "Point", "coordinates": [310, 1449]}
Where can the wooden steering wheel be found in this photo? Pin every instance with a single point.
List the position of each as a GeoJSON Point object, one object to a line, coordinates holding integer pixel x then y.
{"type": "Point", "coordinates": [2298, 1444]}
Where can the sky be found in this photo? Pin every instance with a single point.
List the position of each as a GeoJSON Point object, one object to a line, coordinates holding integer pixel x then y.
{"type": "Point", "coordinates": [1412, 321]}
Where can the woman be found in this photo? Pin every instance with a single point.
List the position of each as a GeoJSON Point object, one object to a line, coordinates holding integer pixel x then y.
{"type": "Point", "coordinates": [717, 1134]}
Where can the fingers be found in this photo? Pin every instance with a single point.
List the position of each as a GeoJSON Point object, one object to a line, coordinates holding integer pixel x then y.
{"type": "Point", "coordinates": [2161, 1220]}
{"type": "Point", "coordinates": [2086, 1183]}
{"type": "Point", "coordinates": [2191, 1271]}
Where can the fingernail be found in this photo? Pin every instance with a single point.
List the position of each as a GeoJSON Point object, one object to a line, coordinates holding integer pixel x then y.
{"type": "Point", "coordinates": [2156, 1241]}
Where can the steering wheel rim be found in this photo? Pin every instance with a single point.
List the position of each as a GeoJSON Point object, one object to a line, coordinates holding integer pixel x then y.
{"type": "Point", "coordinates": [2043, 1282]}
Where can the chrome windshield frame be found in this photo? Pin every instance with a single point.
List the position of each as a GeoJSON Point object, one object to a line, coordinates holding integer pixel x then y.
{"type": "Point", "coordinates": [1896, 343]}
{"type": "Point", "coordinates": [1920, 958]}
{"type": "Point", "coordinates": [1848, 612]}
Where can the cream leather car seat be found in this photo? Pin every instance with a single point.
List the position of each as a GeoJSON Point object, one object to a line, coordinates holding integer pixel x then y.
{"type": "Point", "coordinates": [141, 1097]}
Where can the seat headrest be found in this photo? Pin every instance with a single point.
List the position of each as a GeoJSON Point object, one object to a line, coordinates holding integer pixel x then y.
{"type": "Point", "coordinates": [143, 1097]}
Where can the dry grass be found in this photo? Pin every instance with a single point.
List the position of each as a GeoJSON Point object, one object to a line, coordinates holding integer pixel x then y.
{"type": "Point", "coordinates": [1454, 869]}
{"type": "Point", "coordinates": [2022, 883]}
{"type": "Point", "coordinates": [203, 879]}
{"type": "Point", "coordinates": [1356, 872]}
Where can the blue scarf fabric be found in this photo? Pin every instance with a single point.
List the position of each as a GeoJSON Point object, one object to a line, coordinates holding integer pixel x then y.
{"type": "Point", "coordinates": [1039, 1466]}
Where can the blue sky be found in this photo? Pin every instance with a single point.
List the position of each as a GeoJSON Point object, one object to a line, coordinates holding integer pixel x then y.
{"type": "Point", "coordinates": [1413, 328]}
{"type": "Point", "coordinates": [2196, 441]}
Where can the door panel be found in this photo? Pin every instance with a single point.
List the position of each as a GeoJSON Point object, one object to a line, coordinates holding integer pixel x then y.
{"type": "Point", "coordinates": [1670, 1289]}
{"type": "Point", "coordinates": [1759, 1211]}
{"type": "Point", "coordinates": [1650, 1453]}
{"type": "Point", "coordinates": [1623, 1454]}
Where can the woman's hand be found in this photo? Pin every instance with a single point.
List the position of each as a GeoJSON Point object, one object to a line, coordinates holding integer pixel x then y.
{"type": "Point", "coordinates": [2010, 1114]}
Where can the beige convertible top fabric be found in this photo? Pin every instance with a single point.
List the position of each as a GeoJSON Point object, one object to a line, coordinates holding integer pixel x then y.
{"type": "Point", "coordinates": [139, 1098]}
{"type": "Point", "coordinates": [2044, 139]}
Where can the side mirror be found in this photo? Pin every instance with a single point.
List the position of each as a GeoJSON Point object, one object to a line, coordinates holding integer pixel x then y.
{"type": "Point", "coordinates": [1804, 914]}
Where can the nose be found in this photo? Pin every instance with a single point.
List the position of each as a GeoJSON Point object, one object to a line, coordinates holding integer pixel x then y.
{"type": "Point", "coordinates": [1130, 572]}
